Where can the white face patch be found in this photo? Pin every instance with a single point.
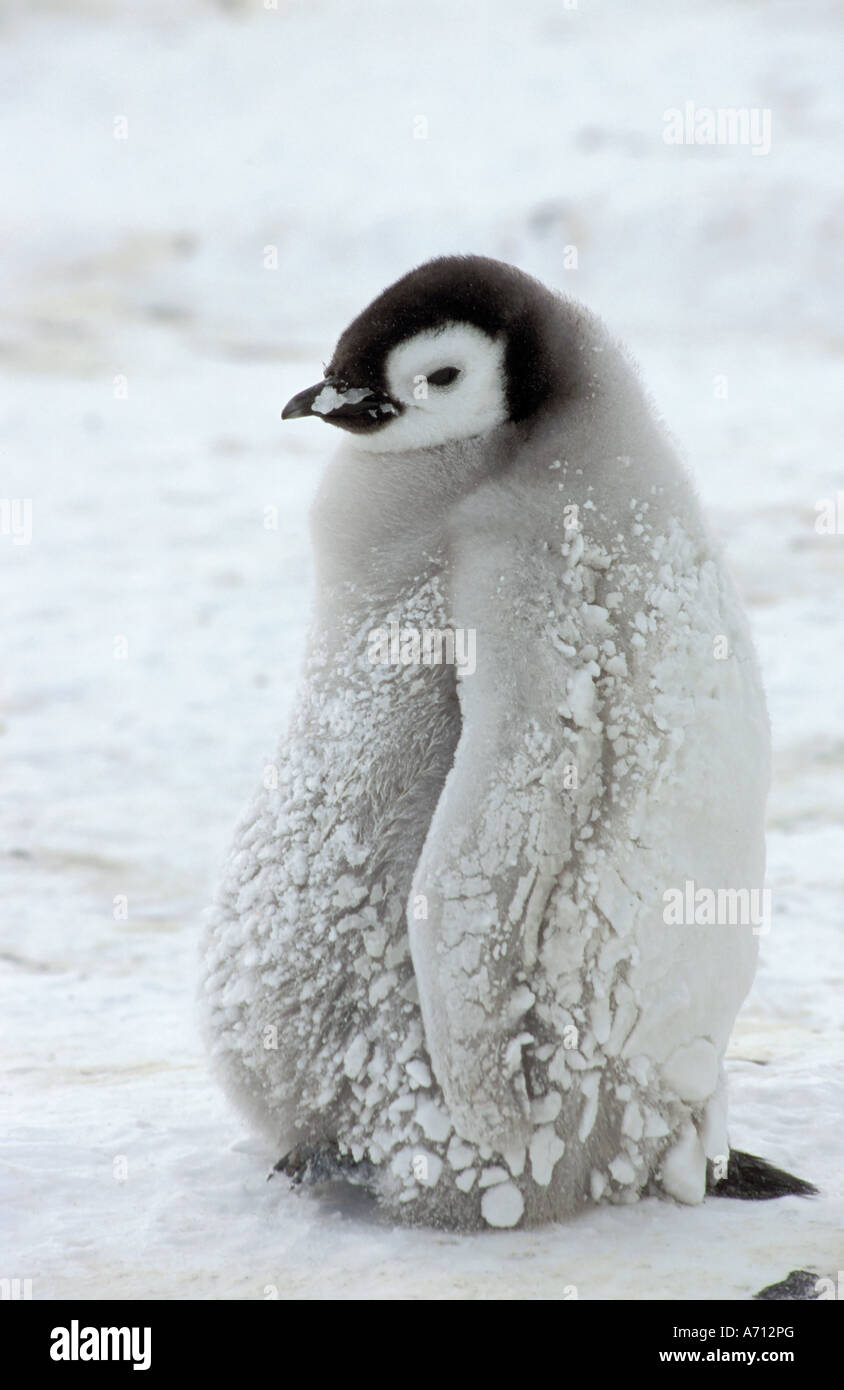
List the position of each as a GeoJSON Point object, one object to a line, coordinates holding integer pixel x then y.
{"type": "Point", "coordinates": [471, 404]}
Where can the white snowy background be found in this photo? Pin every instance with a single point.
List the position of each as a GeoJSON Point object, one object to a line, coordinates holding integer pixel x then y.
{"type": "Point", "coordinates": [144, 258]}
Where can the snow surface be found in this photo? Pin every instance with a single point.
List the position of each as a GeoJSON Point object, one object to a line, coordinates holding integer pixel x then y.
{"type": "Point", "coordinates": [176, 519]}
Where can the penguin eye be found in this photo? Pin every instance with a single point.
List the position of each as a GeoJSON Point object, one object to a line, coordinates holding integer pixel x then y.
{"type": "Point", "coordinates": [444, 377]}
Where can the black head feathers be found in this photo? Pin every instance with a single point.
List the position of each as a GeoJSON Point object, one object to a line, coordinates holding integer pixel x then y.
{"type": "Point", "coordinates": [494, 297]}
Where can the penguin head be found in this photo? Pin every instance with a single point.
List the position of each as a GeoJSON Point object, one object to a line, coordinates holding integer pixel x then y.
{"type": "Point", "coordinates": [449, 352]}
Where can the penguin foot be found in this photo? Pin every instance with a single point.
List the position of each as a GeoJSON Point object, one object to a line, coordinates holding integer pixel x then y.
{"type": "Point", "coordinates": [753, 1179]}
{"type": "Point", "coordinates": [309, 1165]}
{"type": "Point", "coordinates": [800, 1284]}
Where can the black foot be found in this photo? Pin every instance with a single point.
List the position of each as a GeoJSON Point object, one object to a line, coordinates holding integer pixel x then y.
{"type": "Point", "coordinates": [799, 1284]}
{"type": "Point", "coordinates": [753, 1179]}
{"type": "Point", "coordinates": [309, 1165]}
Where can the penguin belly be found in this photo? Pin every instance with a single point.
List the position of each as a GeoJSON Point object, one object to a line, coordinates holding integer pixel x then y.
{"type": "Point", "coordinates": [309, 997]}
{"type": "Point", "coordinates": [311, 1000]}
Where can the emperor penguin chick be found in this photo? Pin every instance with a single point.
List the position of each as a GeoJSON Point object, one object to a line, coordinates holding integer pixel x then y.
{"type": "Point", "coordinates": [482, 946]}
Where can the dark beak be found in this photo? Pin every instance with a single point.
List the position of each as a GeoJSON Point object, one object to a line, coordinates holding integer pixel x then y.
{"type": "Point", "coordinates": [337, 402]}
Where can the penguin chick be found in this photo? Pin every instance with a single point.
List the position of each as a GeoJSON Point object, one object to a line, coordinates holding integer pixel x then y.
{"type": "Point", "coordinates": [460, 943]}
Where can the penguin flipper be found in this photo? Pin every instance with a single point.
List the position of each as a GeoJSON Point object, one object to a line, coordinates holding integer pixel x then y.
{"type": "Point", "coordinates": [753, 1179]}
{"type": "Point", "coordinates": [500, 836]}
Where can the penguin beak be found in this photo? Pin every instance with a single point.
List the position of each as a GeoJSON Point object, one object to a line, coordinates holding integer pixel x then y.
{"type": "Point", "coordinates": [336, 402]}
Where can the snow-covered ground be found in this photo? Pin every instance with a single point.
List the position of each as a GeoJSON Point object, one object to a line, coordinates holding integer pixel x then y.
{"type": "Point", "coordinates": [153, 625]}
